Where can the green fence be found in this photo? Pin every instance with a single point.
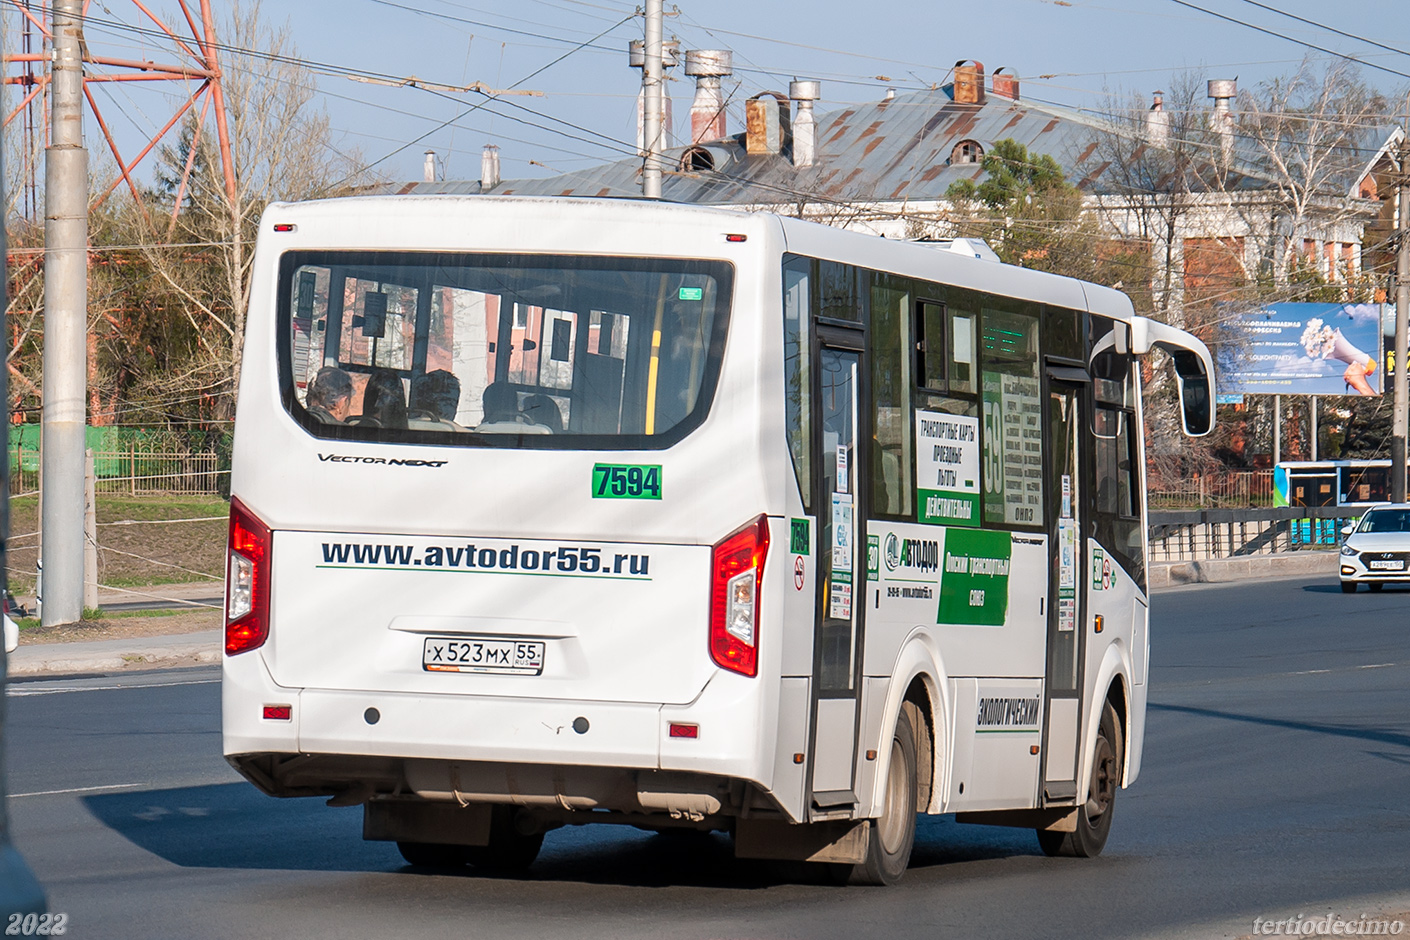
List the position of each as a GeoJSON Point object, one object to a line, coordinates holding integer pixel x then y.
{"type": "Point", "coordinates": [133, 461]}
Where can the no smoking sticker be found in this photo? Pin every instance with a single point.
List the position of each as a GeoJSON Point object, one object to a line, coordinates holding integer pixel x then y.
{"type": "Point", "coordinates": [798, 574]}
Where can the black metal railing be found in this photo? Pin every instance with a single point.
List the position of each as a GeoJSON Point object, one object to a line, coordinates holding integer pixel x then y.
{"type": "Point", "coordinates": [1194, 534]}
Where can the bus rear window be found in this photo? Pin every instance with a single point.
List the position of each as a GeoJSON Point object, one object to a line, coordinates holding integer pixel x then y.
{"type": "Point", "coordinates": [501, 350]}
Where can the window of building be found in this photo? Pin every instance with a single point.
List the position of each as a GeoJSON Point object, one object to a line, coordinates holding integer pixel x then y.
{"type": "Point", "coordinates": [967, 151]}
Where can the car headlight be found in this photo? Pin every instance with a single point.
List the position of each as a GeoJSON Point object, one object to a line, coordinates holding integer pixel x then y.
{"type": "Point", "coordinates": [1349, 552]}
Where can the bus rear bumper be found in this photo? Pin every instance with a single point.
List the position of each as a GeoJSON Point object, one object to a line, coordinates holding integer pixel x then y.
{"type": "Point", "coordinates": [483, 748]}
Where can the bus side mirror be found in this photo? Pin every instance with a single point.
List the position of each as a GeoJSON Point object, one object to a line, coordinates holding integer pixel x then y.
{"type": "Point", "coordinates": [1196, 402]}
{"type": "Point", "coordinates": [1348, 528]}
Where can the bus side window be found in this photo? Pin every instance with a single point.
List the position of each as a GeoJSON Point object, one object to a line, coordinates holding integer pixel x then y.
{"type": "Point", "coordinates": [930, 346]}
{"type": "Point", "coordinates": [1011, 465]}
{"type": "Point", "coordinates": [797, 388]}
{"type": "Point", "coordinates": [892, 428]}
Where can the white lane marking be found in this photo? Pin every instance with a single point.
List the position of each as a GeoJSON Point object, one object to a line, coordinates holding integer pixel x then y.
{"type": "Point", "coordinates": [18, 692]}
{"type": "Point", "coordinates": [1377, 666]}
{"type": "Point", "coordinates": [112, 786]}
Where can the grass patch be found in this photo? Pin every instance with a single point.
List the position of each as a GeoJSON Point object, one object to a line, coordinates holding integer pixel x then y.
{"type": "Point", "coordinates": [92, 616]}
{"type": "Point", "coordinates": [113, 508]}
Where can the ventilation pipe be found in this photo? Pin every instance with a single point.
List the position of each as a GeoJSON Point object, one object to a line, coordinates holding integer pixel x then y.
{"type": "Point", "coordinates": [805, 126]}
{"type": "Point", "coordinates": [1006, 86]}
{"type": "Point", "coordinates": [1157, 120]}
{"type": "Point", "coordinates": [489, 168]}
{"type": "Point", "coordinates": [969, 82]}
{"type": "Point", "coordinates": [709, 67]}
{"type": "Point", "coordinates": [767, 126]}
{"type": "Point", "coordinates": [670, 57]}
{"type": "Point", "coordinates": [1223, 91]}
{"type": "Point", "coordinates": [428, 170]}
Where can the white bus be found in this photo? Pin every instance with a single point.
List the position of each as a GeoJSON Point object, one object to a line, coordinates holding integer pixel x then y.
{"type": "Point", "coordinates": [560, 511]}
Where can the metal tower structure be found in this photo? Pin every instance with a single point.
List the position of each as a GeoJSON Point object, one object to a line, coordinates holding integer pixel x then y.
{"type": "Point", "coordinates": [194, 62]}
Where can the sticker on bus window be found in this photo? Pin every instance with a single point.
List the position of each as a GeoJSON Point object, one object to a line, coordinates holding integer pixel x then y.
{"type": "Point", "coordinates": [947, 469]}
{"type": "Point", "coordinates": [626, 481]}
{"type": "Point", "coordinates": [840, 596]}
{"type": "Point", "coordinates": [841, 532]}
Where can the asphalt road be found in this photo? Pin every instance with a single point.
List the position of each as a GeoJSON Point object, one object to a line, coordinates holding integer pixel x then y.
{"type": "Point", "coordinates": [1275, 780]}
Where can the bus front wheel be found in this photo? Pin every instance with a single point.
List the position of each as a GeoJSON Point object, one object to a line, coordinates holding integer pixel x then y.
{"type": "Point", "coordinates": [432, 855]}
{"type": "Point", "coordinates": [891, 836]}
{"type": "Point", "coordinates": [1093, 816]}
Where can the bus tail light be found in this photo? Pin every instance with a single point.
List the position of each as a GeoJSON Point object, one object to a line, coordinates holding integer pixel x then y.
{"type": "Point", "coordinates": [247, 581]}
{"type": "Point", "coordinates": [737, 571]}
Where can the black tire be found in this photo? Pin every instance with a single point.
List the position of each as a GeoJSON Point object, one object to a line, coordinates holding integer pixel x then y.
{"type": "Point", "coordinates": [432, 855]}
{"type": "Point", "coordinates": [892, 834]}
{"type": "Point", "coordinates": [1348, 587]}
{"type": "Point", "coordinates": [1373, 587]}
{"type": "Point", "coordinates": [1093, 816]}
{"type": "Point", "coordinates": [509, 849]}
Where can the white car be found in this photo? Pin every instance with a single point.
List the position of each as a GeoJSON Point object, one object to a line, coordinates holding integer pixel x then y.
{"type": "Point", "coordinates": [12, 634]}
{"type": "Point", "coordinates": [1377, 549]}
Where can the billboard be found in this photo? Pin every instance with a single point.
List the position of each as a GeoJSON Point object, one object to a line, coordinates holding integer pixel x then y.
{"type": "Point", "coordinates": [1305, 349]}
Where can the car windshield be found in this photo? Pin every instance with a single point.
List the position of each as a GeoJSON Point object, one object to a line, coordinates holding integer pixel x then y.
{"type": "Point", "coordinates": [501, 350]}
{"type": "Point", "coordinates": [1385, 520]}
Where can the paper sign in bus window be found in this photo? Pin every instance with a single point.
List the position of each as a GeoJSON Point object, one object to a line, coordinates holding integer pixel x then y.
{"type": "Point", "coordinates": [947, 468]}
{"type": "Point", "coordinates": [841, 532]}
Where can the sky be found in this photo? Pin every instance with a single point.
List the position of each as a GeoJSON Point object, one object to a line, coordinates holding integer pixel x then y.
{"type": "Point", "coordinates": [572, 54]}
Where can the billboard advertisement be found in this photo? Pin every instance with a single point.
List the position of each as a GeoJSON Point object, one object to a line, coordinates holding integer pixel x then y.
{"type": "Point", "coordinates": [1305, 349]}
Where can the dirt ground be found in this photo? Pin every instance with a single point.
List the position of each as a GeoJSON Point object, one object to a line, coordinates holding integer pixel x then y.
{"type": "Point", "coordinates": [137, 545]}
{"type": "Point", "coordinates": [125, 626]}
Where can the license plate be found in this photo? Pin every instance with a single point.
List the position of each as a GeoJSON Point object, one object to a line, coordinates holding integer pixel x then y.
{"type": "Point", "coordinates": [1387, 566]}
{"type": "Point", "coordinates": [482, 654]}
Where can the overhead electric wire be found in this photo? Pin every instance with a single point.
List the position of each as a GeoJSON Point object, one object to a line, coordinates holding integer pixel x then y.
{"type": "Point", "coordinates": [1300, 42]}
{"type": "Point", "coordinates": [1330, 29]}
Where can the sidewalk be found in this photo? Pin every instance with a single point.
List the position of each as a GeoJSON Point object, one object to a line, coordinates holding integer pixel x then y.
{"type": "Point", "coordinates": [147, 652]}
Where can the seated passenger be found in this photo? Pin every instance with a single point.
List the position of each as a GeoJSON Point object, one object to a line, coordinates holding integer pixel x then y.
{"type": "Point", "coordinates": [435, 397]}
{"type": "Point", "coordinates": [383, 404]}
{"type": "Point", "coordinates": [502, 413]}
{"type": "Point", "coordinates": [543, 411]}
{"type": "Point", "coordinates": [329, 396]}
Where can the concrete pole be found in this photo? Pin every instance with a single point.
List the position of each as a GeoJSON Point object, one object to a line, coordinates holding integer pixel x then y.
{"type": "Point", "coordinates": [1277, 429]}
{"type": "Point", "coordinates": [19, 892]}
{"type": "Point", "coordinates": [1402, 313]}
{"type": "Point", "coordinates": [651, 79]}
{"type": "Point", "coordinates": [1312, 419]}
{"type": "Point", "coordinates": [90, 532]}
{"type": "Point", "coordinates": [65, 324]}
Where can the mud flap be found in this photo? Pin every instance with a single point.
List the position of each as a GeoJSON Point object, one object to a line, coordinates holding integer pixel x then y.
{"type": "Point", "coordinates": [841, 841]}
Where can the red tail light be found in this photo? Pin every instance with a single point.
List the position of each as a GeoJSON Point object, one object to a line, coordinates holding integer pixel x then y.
{"type": "Point", "coordinates": [736, 573]}
{"type": "Point", "coordinates": [246, 581]}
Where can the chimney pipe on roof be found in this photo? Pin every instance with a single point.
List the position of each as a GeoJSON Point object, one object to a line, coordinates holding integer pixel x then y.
{"type": "Point", "coordinates": [707, 112]}
{"type": "Point", "coordinates": [489, 168]}
{"type": "Point", "coordinates": [636, 58]}
{"type": "Point", "coordinates": [1223, 91]}
{"type": "Point", "coordinates": [1157, 120]}
{"type": "Point", "coordinates": [428, 170]}
{"type": "Point", "coordinates": [969, 82]}
{"type": "Point", "coordinates": [805, 126]}
{"type": "Point", "coordinates": [767, 126]}
{"type": "Point", "coordinates": [1006, 86]}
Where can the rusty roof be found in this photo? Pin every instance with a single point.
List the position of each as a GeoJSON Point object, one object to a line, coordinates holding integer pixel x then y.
{"type": "Point", "coordinates": [889, 151]}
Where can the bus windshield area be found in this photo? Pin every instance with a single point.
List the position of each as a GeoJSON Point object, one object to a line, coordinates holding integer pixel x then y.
{"type": "Point", "coordinates": [1385, 520]}
{"type": "Point", "coordinates": [516, 350]}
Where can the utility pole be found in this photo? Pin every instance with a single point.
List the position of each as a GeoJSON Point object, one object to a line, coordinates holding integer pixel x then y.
{"type": "Point", "coordinates": [65, 323]}
{"type": "Point", "coordinates": [1402, 312]}
{"type": "Point", "coordinates": [19, 892]}
{"type": "Point", "coordinates": [652, 75]}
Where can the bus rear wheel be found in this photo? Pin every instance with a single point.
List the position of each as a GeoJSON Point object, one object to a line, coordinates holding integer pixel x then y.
{"type": "Point", "coordinates": [510, 849]}
{"type": "Point", "coordinates": [432, 854]}
{"type": "Point", "coordinates": [1093, 816]}
{"type": "Point", "coordinates": [891, 835]}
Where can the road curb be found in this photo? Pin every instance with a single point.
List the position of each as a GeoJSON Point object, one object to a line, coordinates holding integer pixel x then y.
{"type": "Point", "coordinates": [59, 659]}
{"type": "Point", "coordinates": [1215, 570]}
